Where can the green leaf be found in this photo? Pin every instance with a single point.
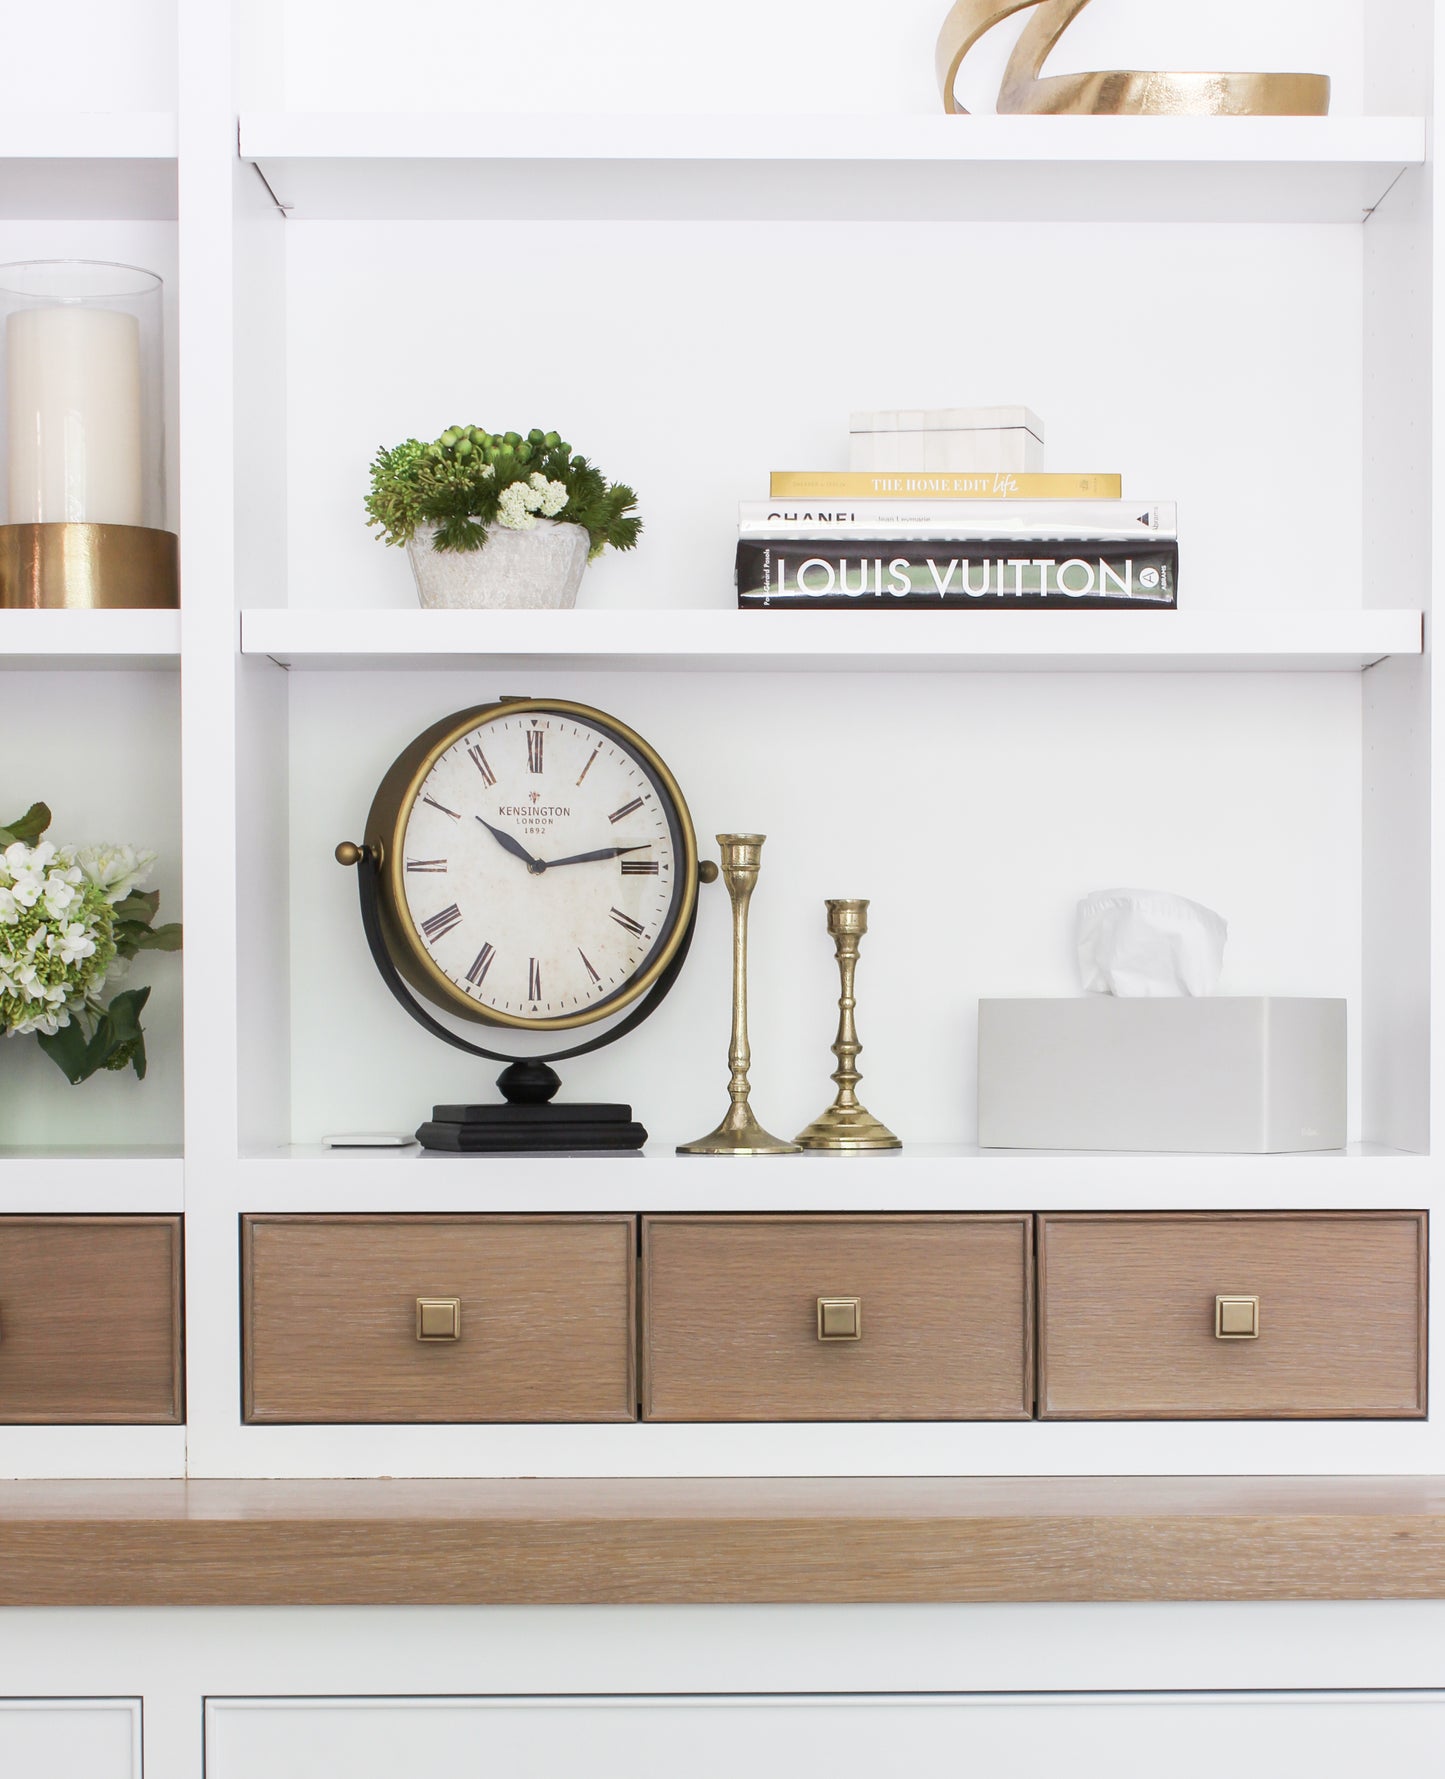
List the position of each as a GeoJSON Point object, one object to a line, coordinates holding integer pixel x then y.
{"type": "Point", "coordinates": [138, 905]}
{"type": "Point", "coordinates": [28, 829]}
{"type": "Point", "coordinates": [166, 938]}
{"type": "Point", "coordinates": [69, 1049]}
{"type": "Point", "coordinates": [116, 1043]}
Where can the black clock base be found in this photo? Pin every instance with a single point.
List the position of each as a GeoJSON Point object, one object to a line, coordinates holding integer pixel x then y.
{"type": "Point", "coordinates": [538, 1129]}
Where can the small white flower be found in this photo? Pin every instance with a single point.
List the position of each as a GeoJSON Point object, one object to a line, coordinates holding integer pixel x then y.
{"type": "Point", "coordinates": [9, 907]}
{"type": "Point", "coordinates": [28, 887]}
{"type": "Point", "coordinates": [58, 894]}
{"type": "Point", "coordinates": [73, 943]}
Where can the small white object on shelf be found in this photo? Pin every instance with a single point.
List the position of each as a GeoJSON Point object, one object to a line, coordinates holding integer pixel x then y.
{"type": "Point", "coordinates": [961, 439]}
{"type": "Point", "coordinates": [370, 1139]}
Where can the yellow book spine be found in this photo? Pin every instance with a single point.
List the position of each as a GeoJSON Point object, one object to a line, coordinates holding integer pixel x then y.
{"type": "Point", "coordinates": [802, 484]}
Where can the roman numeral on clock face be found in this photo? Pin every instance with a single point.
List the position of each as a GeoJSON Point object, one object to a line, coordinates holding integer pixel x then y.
{"type": "Point", "coordinates": [534, 980]}
{"type": "Point", "coordinates": [626, 810]}
{"type": "Point", "coordinates": [588, 961]}
{"type": "Point", "coordinates": [481, 963]}
{"type": "Point", "coordinates": [625, 920]}
{"type": "Point", "coordinates": [534, 750]}
{"type": "Point", "coordinates": [426, 864]}
{"type": "Point", "coordinates": [441, 924]}
{"type": "Point", "coordinates": [639, 867]}
{"type": "Point", "coordinates": [479, 760]}
{"type": "Point", "coordinates": [442, 806]}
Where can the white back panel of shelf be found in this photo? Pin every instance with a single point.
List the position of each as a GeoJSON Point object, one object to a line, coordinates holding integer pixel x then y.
{"type": "Point", "coordinates": [971, 811]}
{"type": "Point", "coordinates": [1218, 366]}
{"type": "Point", "coordinates": [653, 55]}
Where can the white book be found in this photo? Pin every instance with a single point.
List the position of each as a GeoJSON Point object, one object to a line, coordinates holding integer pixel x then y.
{"type": "Point", "coordinates": [954, 518]}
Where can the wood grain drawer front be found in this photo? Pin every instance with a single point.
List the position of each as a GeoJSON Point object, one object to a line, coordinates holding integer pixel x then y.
{"type": "Point", "coordinates": [90, 1320]}
{"type": "Point", "coordinates": [546, 1328]}
{"type": "Point", "coordinates": [731, 1318]}
{"type": "Point", "coordinates": [1127, 1316]}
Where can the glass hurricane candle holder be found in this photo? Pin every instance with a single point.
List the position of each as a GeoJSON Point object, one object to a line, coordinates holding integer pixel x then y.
{"type": "Point", "coordinates": [84, 438]}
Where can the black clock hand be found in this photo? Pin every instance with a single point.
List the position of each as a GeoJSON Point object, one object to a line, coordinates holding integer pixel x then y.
{"type": "Point", "coordinates": [511, 844]}
{"type": "Point", "coordinates": [586, 858]}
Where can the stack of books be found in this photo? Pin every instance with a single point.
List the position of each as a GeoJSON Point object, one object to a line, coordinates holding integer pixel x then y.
{"type": "Point", "coordinates": [939, 540]}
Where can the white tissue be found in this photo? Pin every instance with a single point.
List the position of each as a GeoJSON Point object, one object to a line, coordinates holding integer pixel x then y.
{"type": "Point", "coordinates": [1148, 943]}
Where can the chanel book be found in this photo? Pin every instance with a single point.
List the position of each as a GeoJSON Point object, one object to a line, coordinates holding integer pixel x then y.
{"type": "Point", "coordinates": [838, 573]}
{"type": "Point", "coordinates": [1062, 519]}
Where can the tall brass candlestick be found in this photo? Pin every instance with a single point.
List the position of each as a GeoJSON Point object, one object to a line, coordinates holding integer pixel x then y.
{"type": "Point", "coordinates": [846, 1124]}
{"type": "Point", "coordinates": [739, 1133]}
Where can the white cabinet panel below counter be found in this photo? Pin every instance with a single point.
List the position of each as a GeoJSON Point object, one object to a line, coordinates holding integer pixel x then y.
{"type": "Point", "coordinates": [70, 1738]}
{"type": "Point", "coordinates": [1008, 1735]}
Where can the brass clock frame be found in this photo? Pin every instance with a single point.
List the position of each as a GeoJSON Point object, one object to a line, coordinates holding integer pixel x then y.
{"type": "Point", "coordinates": [385, 828]}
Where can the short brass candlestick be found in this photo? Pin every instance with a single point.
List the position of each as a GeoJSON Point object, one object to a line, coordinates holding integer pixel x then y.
{"type": "Point", "coordinates": [739, 1133]}
{"type": "Point", "coordinates": [846, 1124]}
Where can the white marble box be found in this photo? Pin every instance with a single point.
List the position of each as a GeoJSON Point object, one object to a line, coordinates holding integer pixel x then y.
{"type": "Point", "coordinates": [1247, 1075]}
{"type": "Point", "coordinates": [961, 439]}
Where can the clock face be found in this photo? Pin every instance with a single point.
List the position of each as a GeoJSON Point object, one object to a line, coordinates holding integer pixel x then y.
{"type": "Point", "coordinates": [544, 865]}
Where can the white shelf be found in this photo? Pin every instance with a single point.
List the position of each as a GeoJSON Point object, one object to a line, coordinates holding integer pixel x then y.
{"type": "Point", "coordinates": [834, 641]}
{"type": "Point", "coordinates": [130, 1180]}
{"type": "Point", "coordinates": [93, 165]}
{"type": "Point", "coordinates": [399, 166]}
{"type": "Point", "coordinates": [916, 1178]}
{"type": "Point", "coordinates": [89, 640]}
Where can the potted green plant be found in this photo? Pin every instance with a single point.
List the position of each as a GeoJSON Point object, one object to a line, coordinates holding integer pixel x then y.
{"type": "Point", "coordinates": [496, 519]}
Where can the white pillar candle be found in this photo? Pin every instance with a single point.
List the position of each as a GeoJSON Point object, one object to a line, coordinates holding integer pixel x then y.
{"type": "Point", "coordinates": [74, 413]}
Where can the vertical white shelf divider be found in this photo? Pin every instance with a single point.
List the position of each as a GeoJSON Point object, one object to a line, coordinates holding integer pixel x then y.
{"type": "Point", "coordinates": [207, 174]}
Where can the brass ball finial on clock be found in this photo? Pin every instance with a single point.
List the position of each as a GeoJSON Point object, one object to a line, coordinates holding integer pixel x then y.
{"type": "Point", "coordinates": [528, 865]}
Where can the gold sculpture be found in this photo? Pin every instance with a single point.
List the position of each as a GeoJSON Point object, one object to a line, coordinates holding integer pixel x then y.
{"type": "Point", "coordinates": [739, 1133]}
{"type": "Point", "coordinates": [1132, 92]}
{"type": "Point", "coordinates": [846, 1124]}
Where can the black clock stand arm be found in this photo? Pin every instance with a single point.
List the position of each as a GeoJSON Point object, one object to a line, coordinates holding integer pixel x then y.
{"type": "Point", "coordinates": [527, 1121]}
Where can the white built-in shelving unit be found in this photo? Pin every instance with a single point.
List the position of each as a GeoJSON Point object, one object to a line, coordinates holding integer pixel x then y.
{"type": "Point", "coordinates": [1237, 314]}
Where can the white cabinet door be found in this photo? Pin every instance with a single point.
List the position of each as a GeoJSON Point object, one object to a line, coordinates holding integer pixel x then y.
{"type": "Point", "coordinates": [1005, 1736]}
{"type": "Point", "coordinates": [70, 1738]}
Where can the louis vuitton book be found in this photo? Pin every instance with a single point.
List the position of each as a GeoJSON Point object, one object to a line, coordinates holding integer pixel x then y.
{"type": "Point", "coordinates": [843, 573]}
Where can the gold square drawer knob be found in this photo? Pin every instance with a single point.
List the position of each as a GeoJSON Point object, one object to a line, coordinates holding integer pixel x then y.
{"type": "Point", "coordinates": [1236, 1318]}
{"type": "Point", "coordinates": [439, 1318]}
{"type": "Point", "coordinates": [840, 1318]}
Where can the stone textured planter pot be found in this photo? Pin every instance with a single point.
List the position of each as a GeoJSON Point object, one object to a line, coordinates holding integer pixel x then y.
{"type": "Point", "coordinates": [536, 570]}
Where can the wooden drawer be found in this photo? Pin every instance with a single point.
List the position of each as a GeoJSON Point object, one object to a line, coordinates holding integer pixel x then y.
{"type": "Point", "coordinates": [731, 1321]}
{"type": "Point", "coordinates": [1127, 1316]}
{"type": "Point", "coordinates": [90, 1320]}
{"type": "Point", "coordinates": [331, 1320]}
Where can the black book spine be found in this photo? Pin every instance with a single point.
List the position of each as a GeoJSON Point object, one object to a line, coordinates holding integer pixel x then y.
{"type": "Point", "coordinates": [940, 574]}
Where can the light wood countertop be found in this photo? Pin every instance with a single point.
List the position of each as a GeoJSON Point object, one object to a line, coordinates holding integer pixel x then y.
{"type": "Point", "coordinates": [720, 1541]}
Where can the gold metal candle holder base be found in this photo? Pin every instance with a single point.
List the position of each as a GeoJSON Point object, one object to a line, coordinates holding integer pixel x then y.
{"type": "Point", "coordinates": [739, 1134]}
{"type": "Point", "coordinates": [74, 567]}
{"type": "Point", "coordinates": [847, 1125]}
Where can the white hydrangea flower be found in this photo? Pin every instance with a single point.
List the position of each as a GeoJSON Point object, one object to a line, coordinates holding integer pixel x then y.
{"type": "Point", "coordinates": [115, 870]}
{"type": "Point", "coordinates": [72, 943]}
{"type": "Point", "coordinates": [9, 907]}
{"type": "Point", "coordinates": [552, 496]}
{"type": "Point", "coordinates": [513, 510]}
{"type": "Point", "coordinates": [26, 885]}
